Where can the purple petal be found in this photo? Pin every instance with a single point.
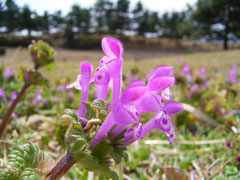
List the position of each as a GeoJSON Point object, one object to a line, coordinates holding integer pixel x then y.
{"type": "Point", "coordinates": [173, 107]}
{"type": "Point", "coordinates": [163, 121]}
{"type": "Point", "coordinates": [86, 68]}
{"type": "Point", "coordinates": [166, 94]}
{"type": "Point", "coordinates": [113, 66]}
{"type": "Point", "coordinates": [123, 115]}
{"type": "Point", "coordinates": [163, 70]}
{"type": "Point", "coordinates": [112, 47]}
{"type": "Point", "coordinates": [101, 77]}
{"type": "Point", "coordinates": [137, 83]}
{"type": "Point", "coordinates": [149, 102]}
{"type": "Point", "coordinates": [135, 132]}
{"type": "Point", "coordinates": [132, 94]}
{"type": "Point", "coordinates": [13, 96]}
{"type": "Point", "coordinates": [2, 94]}
{"type": "Point", "coordinates": [104, 60]}
{"type": "Point", "coordinates": [158, 84]}
{"type": "Point", "coordinates": [75, 84]}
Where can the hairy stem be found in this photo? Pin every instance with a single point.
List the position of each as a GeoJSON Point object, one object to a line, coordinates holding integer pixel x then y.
{"type": "Point", "coordinates": [84, 97]}
{"type": "Point", "coordinates": [116, 91]}
{"type": "Point", "coordinates": [6, 118]}
{"type": "Point", "coordinates": [103, 92]}
{"type": "Point", "coordinates": [61, 168]}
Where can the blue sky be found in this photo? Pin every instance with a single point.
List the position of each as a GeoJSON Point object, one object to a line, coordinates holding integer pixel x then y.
{"type": "Point", "coordinates": [52, 5]}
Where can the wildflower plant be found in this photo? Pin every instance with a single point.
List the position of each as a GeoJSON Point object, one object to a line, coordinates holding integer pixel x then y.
{"type": "Point", "coordinates": [99, 132]}
{"type": "Point", "coordinates": [42, 55]}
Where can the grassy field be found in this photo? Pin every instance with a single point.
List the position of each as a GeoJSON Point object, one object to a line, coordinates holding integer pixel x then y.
{"type": "Point", "coordinates": [198, 148]}
{"type": "Point", "coordinates": [68, 60]}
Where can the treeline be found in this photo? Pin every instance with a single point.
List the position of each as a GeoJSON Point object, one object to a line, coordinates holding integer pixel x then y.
{"type": "Point", "coordinates": [207, 19]}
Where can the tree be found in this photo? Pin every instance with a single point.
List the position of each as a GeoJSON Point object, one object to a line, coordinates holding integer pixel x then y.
{"type": "Point", "coordinates": [218, 19]}
{"type": "Point", "coordinates": [79, 19]}
{"type": "Point", "coordinates": [26, 19]}
{"type": "Point", "coordinates": [46, 22]}
{"type": "Point", "coordinates": [170, 24]}
{"type": "Point", "coordinates": [1, 15]}
{"type": "Point", "coordinates": [122, 20]}
{"type": "Point", "coordinates": [58, 20]}
{"type": "Point", "coordinates": [103, 16]}
{"type": "Point", "coordinates": [11, 16]}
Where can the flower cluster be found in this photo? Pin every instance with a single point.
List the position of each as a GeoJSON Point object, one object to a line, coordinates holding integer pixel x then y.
{"type": "Point", "coordinates": [127, 106]}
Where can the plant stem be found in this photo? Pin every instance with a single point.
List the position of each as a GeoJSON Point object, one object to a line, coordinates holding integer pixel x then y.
{"type": "Point", "coordinates": [60, 169]}
{"type": "Point", "coordinates": [6, 118]}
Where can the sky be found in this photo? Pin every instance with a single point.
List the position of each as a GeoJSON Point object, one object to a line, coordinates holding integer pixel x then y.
{"type": "Point", "coordinates": [53, 5]}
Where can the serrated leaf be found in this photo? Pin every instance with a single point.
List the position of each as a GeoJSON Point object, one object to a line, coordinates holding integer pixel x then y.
{"type": "Point", "coordinates": [29, 174]}
{"type": "Point", "coordinates": [98, 104]}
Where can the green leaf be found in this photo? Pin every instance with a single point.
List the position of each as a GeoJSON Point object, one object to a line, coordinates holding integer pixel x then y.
{"type": "Point", "coordinates": [230, 170]}
{"type": "Point", "coordinates": [220, 177]}
{"type": "Point", "coordinates": [42, 54]}
{"type": "Point", "coordinates": [29, 174]}
{"type": "Point", "coordinates": [98, 104]}
{"type": "Point", "coordinates": [8, 174]}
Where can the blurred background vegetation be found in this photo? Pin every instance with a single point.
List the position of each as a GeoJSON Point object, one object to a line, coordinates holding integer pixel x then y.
{"type": "Point", "coordinates": [207, 20]}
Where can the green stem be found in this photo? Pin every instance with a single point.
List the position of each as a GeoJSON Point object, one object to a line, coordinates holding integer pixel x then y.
{"type": "Point", "coordinates": [6, 118]}
{"type": "Point", "coordinates": [61, 168]}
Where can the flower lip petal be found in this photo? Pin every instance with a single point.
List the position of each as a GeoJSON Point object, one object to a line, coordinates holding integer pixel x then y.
{"type": "Point", "coordinates": [132, 94]}
{"type": "Point", "coordinates": [160, 83]}
{"type": "Point", "coordinates": [173, 107]}
{"type": "Point", "coordinates": [163, 121]}
{"type": "Point", "coordinates": [112, 47]}
{"type": "Point", "coordinates": [101, 77]}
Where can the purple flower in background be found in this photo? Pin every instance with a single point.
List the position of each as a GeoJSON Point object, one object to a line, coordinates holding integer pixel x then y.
{"type": "Point", "coordinates": [82, 83]}
{"type": "Point", "coordinates": [202, 71]}
{"type": "Point", "coordinates": [206, 80]}
{"type": "Point", "coordinates": [179, 61]}
{"type": "Point", "coordinates": [238, 159]}
{"type": "Point", "coordinates": [38, 96]}
{"type": "Point", "coordinates": [192, 175]}
{"type": "Point", "coordinates": [233, 74]}
{"type": "Point", "coordinates": [189, 78]}
{"type": "Point", "coordinates": [2, 94]}
{"type": "Point", "coordinates": [56, 99]}
{"type": "Point", "coordinates": [228, 144]}
{"type": "Point", "coordinates": [70, 94]}
{"type": "Point", "coordinates": [8, 72]}
{"type": "Point", "coordinates": [61, 87]}
{"type": "Point", "coordinates": [131, 78]}
{"type": "Point", "coordinates": [13, 96]}
{"type": "Point", "coordinates": [185, 70]}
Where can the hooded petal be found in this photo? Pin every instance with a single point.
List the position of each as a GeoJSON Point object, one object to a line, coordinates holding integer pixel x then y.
{"type": "Point", "coordinates": [112, 47]}
{"type": "Point", "coordinates": [86, 68]}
